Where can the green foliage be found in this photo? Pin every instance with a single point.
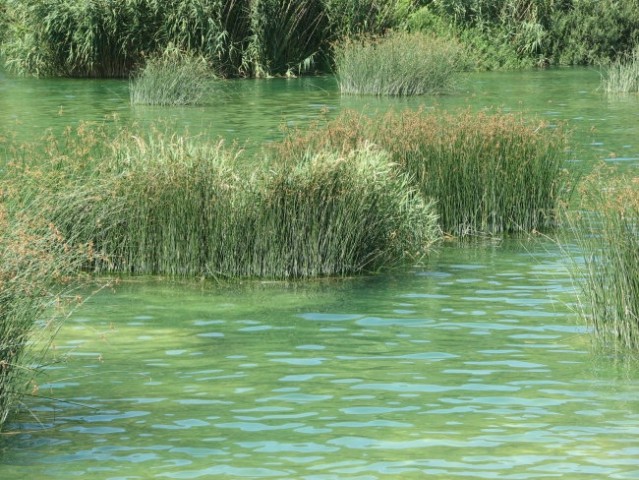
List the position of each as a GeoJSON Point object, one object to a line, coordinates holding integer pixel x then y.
{"type": "Point", "coordinates": [180, 207]}
{"type": "Point", "coordinates": [606, 228]}
{"type": "Point", "coordinates": [595, 31]}
{"type": "Point", "coordinates": [36, 263]}
{"type": "Point", "coordinates": [399, 63]}
{"type": "Point", "coordinates": [364, 17]}
{"type": "Point", "coordinates": [81, 39]}
{"type": "Point", "coordinates": [287, 35]}
{"type": "Point", "coordinates": [489, 174]}
{"type": "Point", "coordinates": [173, 77]}
{"type": "Point", "coordinates": [516, 33]}
{"type": "Point", "coordinates": [105, 38]}
{"type": "Point", "coordinates": [622, 76]}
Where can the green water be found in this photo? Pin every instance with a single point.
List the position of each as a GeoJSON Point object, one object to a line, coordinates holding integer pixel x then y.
{"type": "Point", "coordinates": [472, 365]}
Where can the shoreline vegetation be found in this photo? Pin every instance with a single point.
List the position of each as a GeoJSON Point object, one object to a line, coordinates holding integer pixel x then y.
{"type": "Point", "coordinates": [263, 38]}
{"type": "Point", "coordinates": [605, 227]}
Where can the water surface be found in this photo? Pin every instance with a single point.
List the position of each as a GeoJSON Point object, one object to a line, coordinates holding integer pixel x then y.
{"type": "Point", "coordinates": [473, 365]}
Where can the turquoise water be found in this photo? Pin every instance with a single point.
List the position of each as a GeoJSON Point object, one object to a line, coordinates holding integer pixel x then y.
{"type": "Point", "coordinates": [472, 365]}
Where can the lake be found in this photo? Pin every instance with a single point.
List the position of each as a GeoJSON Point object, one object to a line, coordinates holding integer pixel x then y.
{"type": "Point", "coordinates": [472, 364]}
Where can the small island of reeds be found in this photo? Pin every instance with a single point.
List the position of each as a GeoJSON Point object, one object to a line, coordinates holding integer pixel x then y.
{"type": "Point", "coordinates": [365, 194]}
{"type": "Point", "coordinates": [399, 64]}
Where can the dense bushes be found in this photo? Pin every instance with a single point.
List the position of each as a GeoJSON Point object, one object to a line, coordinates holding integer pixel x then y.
{"type": "Point", "coordinates": [278, 37]}
{"type": "Point", "coordinates": [514, 33]}
{"type": "Point", "coordinates": [104, 38]}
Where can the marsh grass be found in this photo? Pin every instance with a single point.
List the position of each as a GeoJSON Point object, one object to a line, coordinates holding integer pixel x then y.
{"type": "Point", "coordinates": [172, 78]}
{"type": "Point", "coordinates": [489, 173]}
{"type": "Point", "coordinates": [622, 76]}
{"type": "Point", "coordinates": [240, 38]}
{"type": "Point", "coordinates": [170, 205]}
{"type": "Point", "coordinates": [398, 64]}
{"type": "Point", "coordinates": [37, 266]}
{"type": "Point", "coordinates": [606, 229]}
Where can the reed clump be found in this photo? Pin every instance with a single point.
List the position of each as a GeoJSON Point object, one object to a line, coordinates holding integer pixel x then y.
{"type": "Point", "coordinates": [170, 205]}
{"type": "Point", "coordinates": [37, 265]}
{"type": "Point", "coordinates": [173, 77]}
{"type": "Point", "coordinates": [398, 63]}
{"type": "Point", "coordinates": [240, 38]}
{"type": "Point", "coordinates": [489, 173]}
{"type": "Point", "coordinates": [622, 76]}
{"type": "Point", "coordinates": [606, 230]}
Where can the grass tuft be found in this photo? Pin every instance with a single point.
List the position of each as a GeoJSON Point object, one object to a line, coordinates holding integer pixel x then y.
{"type": "Point", "coordinates": [36, 268]}
{"type": "Point", "coordinates": [622, 76]}
{"type": "Point", "coordinates": [606, 229]}
{"type": "Point", "coordinates": [172, 78]}
{"type": "Point", "coordinates": [398, 64]}
{"type": "Point", "coordinates": [170, 205]}
{"type": "Point", "coordinates": [489, 173]}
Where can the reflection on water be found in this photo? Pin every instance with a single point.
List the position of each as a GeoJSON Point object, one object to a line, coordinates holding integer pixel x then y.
{"type": "Point", "coordinates": [471, 366]}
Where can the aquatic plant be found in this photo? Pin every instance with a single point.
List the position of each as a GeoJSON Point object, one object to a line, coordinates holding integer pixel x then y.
{"type": "Point", "coordinates": [287, 35]}
{"type": "Point", "coordinates": [489, 173]}
{"type": "Point", "coordinates": [36, 265]}
{"type": "Point", "coordinates": [171, 78]}
{"type": "Point", "coordinates": [398, 63]}
{"type": "Point", "coordinates": [606, 266]}
{"type": "Point", "coordinates": [169, 205]}
{"type": "Point", "coordinates": [622, 76]}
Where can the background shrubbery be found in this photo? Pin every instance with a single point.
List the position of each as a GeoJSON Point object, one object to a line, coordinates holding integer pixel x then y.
{"type": "Point", "coordinates": [105, 38]}
{"type": "Point", "coordinates": [516, 33]}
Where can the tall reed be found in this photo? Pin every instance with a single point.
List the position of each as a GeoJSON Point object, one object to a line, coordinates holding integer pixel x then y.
{"type": "Point", "coordinates": [622, 76]}
{"type": "Point", "coordinates": [606, 229]}
{"type": "Point", "coordinates": [287, 35]}
{"type": "Point", "coordinates": [489, 173]}
{"type": "Point", "coordinates": [174, 206]}
{"type": "Point", "coordinates": [36, 265]}
{"type": "Point", "coordinates": [171, 78]}
{"type": "Point", "coordinates": [399, 63]}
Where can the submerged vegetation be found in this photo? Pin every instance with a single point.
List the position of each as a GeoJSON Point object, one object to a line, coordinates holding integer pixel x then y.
{"type": "Point", "coordinates": [398, 64]}
{"type": "Point", "coordinates": [259, 38]}
{"type": "Point", "coordinates": [606, 228]}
